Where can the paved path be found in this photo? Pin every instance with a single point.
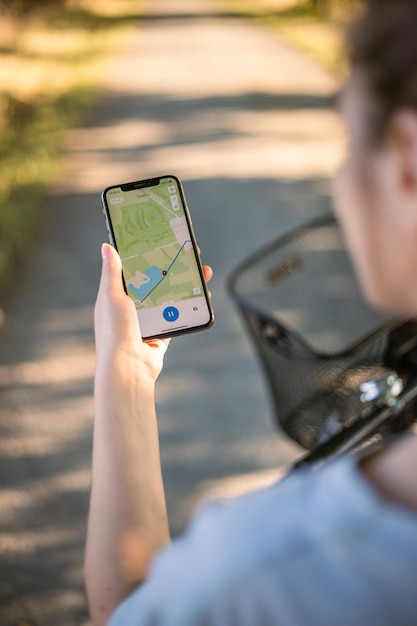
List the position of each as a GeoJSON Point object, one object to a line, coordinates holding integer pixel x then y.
{"type": "Point", "coordinates": [243, 120]}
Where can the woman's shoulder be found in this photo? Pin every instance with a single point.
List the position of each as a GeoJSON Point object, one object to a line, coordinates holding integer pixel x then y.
{"type": "Point", "coordinates": [317, 536]}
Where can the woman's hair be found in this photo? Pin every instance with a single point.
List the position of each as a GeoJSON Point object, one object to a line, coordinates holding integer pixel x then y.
{"type": "Point", "coordinates": [382, 48]}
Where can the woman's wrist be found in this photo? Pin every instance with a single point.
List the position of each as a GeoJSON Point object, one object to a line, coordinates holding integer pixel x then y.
{"type": "Point", "coordinates": [124, 389]}
{"type": "Point", "coordinates": [124, 368]}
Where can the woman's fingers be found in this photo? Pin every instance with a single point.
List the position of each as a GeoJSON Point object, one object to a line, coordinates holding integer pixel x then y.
{"type": "Point", "coordinates": [208, 272]}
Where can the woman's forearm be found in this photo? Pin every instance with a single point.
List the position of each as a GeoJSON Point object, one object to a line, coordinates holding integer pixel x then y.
{"type": "Point", "coordinates": [127, 520]}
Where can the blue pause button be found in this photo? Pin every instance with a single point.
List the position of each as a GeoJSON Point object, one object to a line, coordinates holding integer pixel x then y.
{"type": "Point", "coordinates": [171, 314]}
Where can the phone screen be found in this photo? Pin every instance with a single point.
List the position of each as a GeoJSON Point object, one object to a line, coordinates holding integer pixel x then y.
{"type": "Point", "coordinates": [149, 223]}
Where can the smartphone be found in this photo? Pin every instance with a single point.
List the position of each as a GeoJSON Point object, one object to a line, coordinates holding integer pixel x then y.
{"type": "Point", "coordinates": [149, 223]}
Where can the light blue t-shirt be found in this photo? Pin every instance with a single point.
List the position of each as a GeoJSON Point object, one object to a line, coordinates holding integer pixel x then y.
{"type": "Point", "coordinates": [318, 549]}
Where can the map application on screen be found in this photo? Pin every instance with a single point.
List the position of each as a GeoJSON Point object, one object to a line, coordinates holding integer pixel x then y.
{"type": "Point", "coordinates": [152, 236]}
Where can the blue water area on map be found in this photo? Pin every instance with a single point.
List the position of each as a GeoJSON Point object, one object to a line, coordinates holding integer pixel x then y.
{"type": "Point", "coordinates": [155, 275]}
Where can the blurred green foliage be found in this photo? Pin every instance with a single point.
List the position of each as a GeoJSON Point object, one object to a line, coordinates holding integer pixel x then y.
{"type": "Point", "coordinates": [23, 7]}
{"type": "Point", "coordinates": [328, 7]}
{"type": "Point", "coordinates": [53, 54]}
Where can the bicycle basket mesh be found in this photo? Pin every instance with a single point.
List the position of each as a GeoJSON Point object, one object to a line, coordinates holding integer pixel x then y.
{"type": "Point", "coordinates": [317, 338]}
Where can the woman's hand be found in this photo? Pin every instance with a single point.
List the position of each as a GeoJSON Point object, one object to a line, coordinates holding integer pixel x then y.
{"type": "Point", "coordinates": [116, 322]}
{"type": "Point", "coordinates": [128, 520]}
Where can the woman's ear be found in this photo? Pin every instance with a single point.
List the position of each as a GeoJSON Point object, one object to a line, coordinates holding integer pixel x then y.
{"type": "Point", "coordinates": [403, 139]}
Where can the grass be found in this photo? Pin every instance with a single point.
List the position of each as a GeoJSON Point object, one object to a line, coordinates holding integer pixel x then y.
{"type": "Point", "coordinates": [51, 67]}
{"type": "Point", "coordinates": [301, 24]}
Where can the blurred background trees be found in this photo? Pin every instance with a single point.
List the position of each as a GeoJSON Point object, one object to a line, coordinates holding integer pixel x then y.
{"type": "Point", "coordinates": [22, 7]}
{"type": "Point", "coordinates": [53, 56]}
{"type": "Point", "coordinates": [321, 8]}
{"type": "Point", "coordinates": [327, 7]}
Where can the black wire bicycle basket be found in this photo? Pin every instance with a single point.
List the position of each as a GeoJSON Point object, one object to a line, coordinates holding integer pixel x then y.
{"type": "Point", "coordinates": [333, 363]}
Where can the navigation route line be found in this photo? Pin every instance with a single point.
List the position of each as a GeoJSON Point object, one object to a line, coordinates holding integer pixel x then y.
{"type": "Point", "coordinates": [164, 275]}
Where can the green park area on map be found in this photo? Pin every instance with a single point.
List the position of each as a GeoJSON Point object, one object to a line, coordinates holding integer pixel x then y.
{"type": "Point", "coordinates": [154, 244]}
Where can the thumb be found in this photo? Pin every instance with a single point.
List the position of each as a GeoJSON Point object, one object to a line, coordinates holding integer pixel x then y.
{"type": "Point", "coordinates": [111, 271]}
{"type": "Point", "coordinates": [114, 313]}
